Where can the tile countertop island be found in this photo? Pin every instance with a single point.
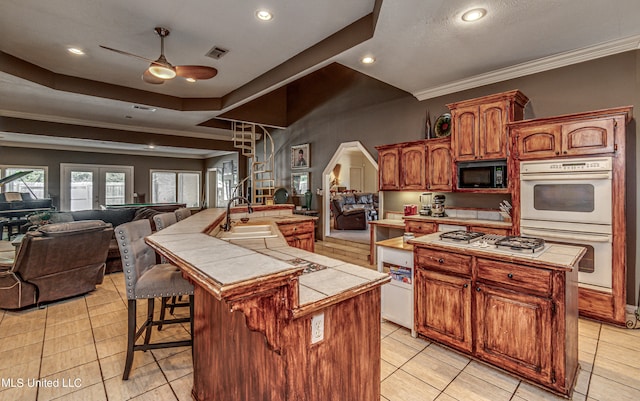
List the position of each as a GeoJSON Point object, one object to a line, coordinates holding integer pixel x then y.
{"type": "Point", "coordinates": [272, 321]}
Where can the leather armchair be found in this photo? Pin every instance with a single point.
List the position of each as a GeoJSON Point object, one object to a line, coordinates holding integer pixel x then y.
{"type": "Point", "coordinates": [348, 219]}
{"type": "Point", "coordinates": [56, 261]}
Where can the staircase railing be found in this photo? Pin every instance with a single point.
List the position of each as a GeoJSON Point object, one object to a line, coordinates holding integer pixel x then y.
{"type": "Point", "coordinates": [261, 177]}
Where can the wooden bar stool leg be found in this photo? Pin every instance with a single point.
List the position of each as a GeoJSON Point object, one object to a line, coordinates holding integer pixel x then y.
{"type": "Point", "coordinates": [131, 337]}
{"type": "Point", "coordinates": [149, 322]}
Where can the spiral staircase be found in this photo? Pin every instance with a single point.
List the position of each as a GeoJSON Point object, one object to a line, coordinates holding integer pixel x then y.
{"type": "Point", "coordinates": [260, 182]}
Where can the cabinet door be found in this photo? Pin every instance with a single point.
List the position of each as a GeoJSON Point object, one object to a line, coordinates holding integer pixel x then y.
{"type": "Point", "coordinates": [492, 140]}
{"type": "Point", "coordinates": [389, 169]}
{"type": "Point", "coordinates": [588, 137]}
{"type": "Point", "coordinates": [412, 164]}
{"type": "Point", "coordinates": [443, 308]}
{"type": "Point", "coordinates": [513, 330]}
{"type": "Point", "coordinates": [465, 128]}
{"type": "Point", "coordinates": [537, 142]}
{"type": "Point", "coordinates": [440, 172]}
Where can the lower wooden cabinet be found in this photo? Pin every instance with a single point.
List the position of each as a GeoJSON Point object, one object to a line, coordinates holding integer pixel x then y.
{"type": "Point", "coordinates": [513, 331]}
{"type": "Point", "coordinates": [443, 308]}
{"type": "Point", "coordinates": [299, 235]}
{"type": "Point", "coordinates": [509, 314]}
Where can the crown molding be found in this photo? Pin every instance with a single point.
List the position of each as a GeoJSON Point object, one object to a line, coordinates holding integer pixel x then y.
{"type": "Point", "coordinates": [533, 67]}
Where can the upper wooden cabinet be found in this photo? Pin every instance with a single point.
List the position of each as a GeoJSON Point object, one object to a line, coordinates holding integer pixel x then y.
{"type": "Point", "coordinates": [582, 135]}
{"type": "Point", "coordinates": [479, 130]}
{"type": "Point", "coordinates": [440, 165]}
{"type": "Point", "coordinates": [388, 168]}
{"type": "Point", "coordinates": [416, 166]}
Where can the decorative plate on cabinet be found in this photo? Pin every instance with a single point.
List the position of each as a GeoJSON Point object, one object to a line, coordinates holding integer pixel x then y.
{"type": "Point", "coordinates": [443, 126]}
{"type": "Point", "coordinates": [280, 196]}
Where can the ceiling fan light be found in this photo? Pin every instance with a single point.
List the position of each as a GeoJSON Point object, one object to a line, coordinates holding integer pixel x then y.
{"type": "Point", "coordinates": [162, 71]}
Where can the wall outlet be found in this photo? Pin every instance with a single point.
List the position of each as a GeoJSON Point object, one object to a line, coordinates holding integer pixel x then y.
{"type": "Point", "coordinates": [317, 328]}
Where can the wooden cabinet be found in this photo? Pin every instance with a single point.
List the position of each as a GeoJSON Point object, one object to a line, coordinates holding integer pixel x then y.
{"type": "Point", "coordinates": [412, 167]}
{"type": "Point", "coordinates": [440, 165]}
{"type": "Point", "coordinates": [416, 166]}
{"type": "Point", "coordinates": [517, 316]}
{"type": "Point", "coordinates": [388, 167]}
{"type": "Point", "coordinates": [443, 308]}
{"type": "Point", "coordinates": [300, 234]}
{"type": "Point", "coordinates": [571, 138]}
{"type": "Point", "coordinates": [479, 130]}
{"type": "Point", "coordinates": [513, 331]}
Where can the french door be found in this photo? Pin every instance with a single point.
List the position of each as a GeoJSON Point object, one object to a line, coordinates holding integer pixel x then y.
{"type": "Point", "coordinates": [89, 186]}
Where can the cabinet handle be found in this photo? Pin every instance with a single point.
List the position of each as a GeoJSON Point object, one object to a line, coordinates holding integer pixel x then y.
{"type": "Point", "coordinates": [510, 275]}
{"type": "Point", "coordinates": [440, 260]}
{"type": "Point", "coordinates": [478, 289]}
{"type": "Point", "coordinates": [565, 152]}
{"type": "Point", "coordinates": [465, 286]}
{"type": "Point", "coordinates": [557, 153]}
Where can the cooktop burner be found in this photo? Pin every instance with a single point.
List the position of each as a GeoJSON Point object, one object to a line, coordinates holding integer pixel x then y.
{"type": "Point", "coordinates": [523, 244]}
{"type": "Point", "coordinates": [461, 236]}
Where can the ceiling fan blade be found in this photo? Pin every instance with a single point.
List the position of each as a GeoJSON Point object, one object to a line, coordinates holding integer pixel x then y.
{"type": "Point", "coordinates": [128, 54]}
{"type": "Point", "coordinates": [151, 79]}
{"type": "Point", "coordinates": [196, 71]}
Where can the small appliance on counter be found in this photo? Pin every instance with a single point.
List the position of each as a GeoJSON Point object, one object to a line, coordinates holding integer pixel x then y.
{"type": "Point", "coordinates": [410, 210]}
{"type": "Point", "coordinates": [425, 204]}
{"type": "Point", "coordinates": [437, 207]}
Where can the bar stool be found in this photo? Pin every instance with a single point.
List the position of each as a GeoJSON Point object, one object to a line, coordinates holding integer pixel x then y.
{"type": "Point", "coordinates": [147, 280]}
{"type": "Point", "coordinates": [182, 213]}
{"type": "Point", "coordinates": [164, 220]}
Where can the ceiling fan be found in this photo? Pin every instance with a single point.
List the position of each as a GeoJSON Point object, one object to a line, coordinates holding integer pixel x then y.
{"type": "Point", "coordinates": [160, 70]}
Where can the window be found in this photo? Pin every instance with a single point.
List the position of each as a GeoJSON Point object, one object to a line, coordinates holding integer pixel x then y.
{"type": "Point", "coordinates": [176, 186]}
{"type": "Point", "coordinates": [36, 180]}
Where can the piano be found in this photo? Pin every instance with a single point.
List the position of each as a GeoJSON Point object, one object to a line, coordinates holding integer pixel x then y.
{"type": "Point", "coordinates": [14, 205]}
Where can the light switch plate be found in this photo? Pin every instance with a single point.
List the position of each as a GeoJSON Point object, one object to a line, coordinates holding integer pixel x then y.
{"type": "Point", "coordinates": [317, 328]}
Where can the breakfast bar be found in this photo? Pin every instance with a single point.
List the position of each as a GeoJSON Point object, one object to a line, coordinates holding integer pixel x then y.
{"type": "Point", "coordinates": [274, 322]}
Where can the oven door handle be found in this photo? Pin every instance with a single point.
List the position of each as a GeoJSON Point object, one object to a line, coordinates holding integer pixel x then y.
{"type": "Point", "coordinates": [568, 176]}
{"type": "Point", "coordinates": [568, 235]}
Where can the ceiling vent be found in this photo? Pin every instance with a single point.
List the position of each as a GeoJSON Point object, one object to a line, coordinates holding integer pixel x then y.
{"type": "Point", "coordinates": [144, 108]}
{"type": "Point", "coordinates": [217, 52]}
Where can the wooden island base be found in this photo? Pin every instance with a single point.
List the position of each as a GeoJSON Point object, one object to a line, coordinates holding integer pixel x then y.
{"type": "Point", "coordinates": [252, 349]}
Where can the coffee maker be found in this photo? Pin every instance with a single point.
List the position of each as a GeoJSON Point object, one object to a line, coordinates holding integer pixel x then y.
{"type": "Point", "coordinates": [437, 207]}
{"type": "Point", "coordinates": [425, 204]}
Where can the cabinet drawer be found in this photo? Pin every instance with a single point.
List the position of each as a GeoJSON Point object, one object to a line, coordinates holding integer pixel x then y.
{"type": "Point", "coordinates": [419, 227]}
{"type": "Point", "coordinates": [488, 230]}
{"type": "Point", "coordinates": [443, 261]}
{"type": "Point", "coordinates": [528, 278]}
{"type": "Point", "coordinates": [297, 228]}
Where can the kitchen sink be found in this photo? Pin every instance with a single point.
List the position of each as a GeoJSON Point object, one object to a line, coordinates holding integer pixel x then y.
{"type": "Point", "coordinates": [248, 231]}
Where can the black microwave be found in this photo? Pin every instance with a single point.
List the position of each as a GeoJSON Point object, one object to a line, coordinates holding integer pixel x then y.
{"type": "Point", "coordinates": [484, 174]}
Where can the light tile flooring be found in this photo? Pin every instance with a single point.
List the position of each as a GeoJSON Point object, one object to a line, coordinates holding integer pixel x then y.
{"type": "Point", "coordinates": [76, 348]}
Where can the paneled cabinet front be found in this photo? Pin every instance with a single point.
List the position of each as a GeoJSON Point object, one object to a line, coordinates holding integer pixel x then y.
{"type": "Point", "coordinates": [299, 235]}
{"type": "Point", "coordinates": [577, 138]}
{"type": "Point", "coordinates": [508, 314]}
{"type": "Point", "coordinates": [443, 308]}
{"type": "Point", "coordinates": [479, 130]}
{"type": "Point", "coordinates": [416, 166]}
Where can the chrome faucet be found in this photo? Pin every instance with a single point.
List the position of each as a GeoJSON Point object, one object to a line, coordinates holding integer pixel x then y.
{"type": "Point", "coordinates": [227, 225]}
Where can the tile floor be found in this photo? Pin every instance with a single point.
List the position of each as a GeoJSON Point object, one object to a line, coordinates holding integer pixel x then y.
{"type": "Point", "coordinates": [76, 350]}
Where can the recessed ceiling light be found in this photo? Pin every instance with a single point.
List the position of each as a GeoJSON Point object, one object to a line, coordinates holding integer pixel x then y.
{"type": "Point", "coordinates": [151, 147]}
{"type": "Point", "coordinates": [264, 15]}
{"type": "Point", "coordinates": [368, 60]}
{"type": "Point", "coordinates": [190, 79]}
{"type": "Point", "coordinates": [75, 50]}
{"type": "Point", "coordinates": [474, 15]}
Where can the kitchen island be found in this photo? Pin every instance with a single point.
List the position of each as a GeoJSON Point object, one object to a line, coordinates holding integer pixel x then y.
{"type": "Point", "coordinates": [517, 311]}
{"type": "Point", "coordinates": [273, 322]}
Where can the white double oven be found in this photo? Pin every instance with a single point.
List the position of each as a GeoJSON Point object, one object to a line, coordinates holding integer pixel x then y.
{"type": "Point", "coordinates": [569, 201]}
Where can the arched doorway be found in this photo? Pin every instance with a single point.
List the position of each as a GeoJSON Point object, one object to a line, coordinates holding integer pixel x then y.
{"type": "Point", "coordinates": [365, 176]}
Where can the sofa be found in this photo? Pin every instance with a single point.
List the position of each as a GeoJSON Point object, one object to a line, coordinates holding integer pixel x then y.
{"type": "Point", "coordinates": [56, 261]}
{"type": "Point", "coordinates": [115, 217]}
{"type": "Point", "coordinates": [353, 211]}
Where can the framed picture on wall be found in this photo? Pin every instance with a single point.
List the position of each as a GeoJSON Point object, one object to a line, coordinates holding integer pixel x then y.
{"type": "Point", "coordinates": [299, 183]}
{"type": "Point", "coordinates": [300, 156]}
